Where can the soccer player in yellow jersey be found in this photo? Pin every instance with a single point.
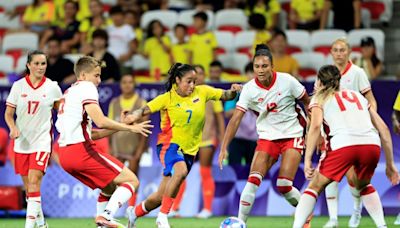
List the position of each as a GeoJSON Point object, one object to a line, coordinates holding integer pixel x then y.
{"type": "Point", "coordinates": [203, 43]}
{"type": "Point", "coordinates": [182, 110]}
{"type": "Point", "coordinates": [181, 50]}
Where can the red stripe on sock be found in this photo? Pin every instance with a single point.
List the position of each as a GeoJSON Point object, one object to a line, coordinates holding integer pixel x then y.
{"type": "Point", "coordinates": [33, 194]}
{"type": "Point", "coordinates": [254, 180]}
{"type": "Point", "coordinates": [311, 194]}
{"type": "Point", "coordinates": [129, 187]}
{"type": "Point", "coordinates": [132, 200]}
{"type": "Point", "coordinates": [284, 189]}
{"type": "Point", "coordinates": [166, 204]}
{"type": "Point", "coordinates": [139, 211]}
{"type": "Point", "coordinates": [286, 178]}
{"type": "Point", "coordinates": [103, 198]}
{"type": "Point", "coordinates": [367, 190]}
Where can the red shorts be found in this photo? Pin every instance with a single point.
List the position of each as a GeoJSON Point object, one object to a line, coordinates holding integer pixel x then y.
{"type": "Point", "coordinates": [276, 147]}
{"type": "Point", "coordinates": [364, 158]}
{"type": "Point", "coordinates": [25, 162]}
{"type": "Point", "coordinates": [86, 162]}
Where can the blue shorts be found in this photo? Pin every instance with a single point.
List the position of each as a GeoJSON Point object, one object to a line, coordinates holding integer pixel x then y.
{"type": "Point", "coordinates": [171, 155]}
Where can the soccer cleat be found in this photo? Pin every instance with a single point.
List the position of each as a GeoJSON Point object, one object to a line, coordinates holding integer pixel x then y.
{"type": "Point", "coordinates": [332, 223]}
{"type": "Point", "coordinates": [355, 219]}
{"type": "Point", "coordinates": [106, 223]}
{"type": "Point", "coordinates": [397, 221]}
{"type": "Point", "coordinates": [162, 222]}
{"type": "Point", "coordinates": [174, 214]}
{"type": "Point", "coordinates": [204, 214]}
{"type": "Point", "coordinates": [130, 211]}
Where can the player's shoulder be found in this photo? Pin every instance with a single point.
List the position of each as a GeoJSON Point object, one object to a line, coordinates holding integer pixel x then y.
{"type": "Point", "coordinates": [85, 84]}
{"type": "Point", "coordinates": [285, 76]}
{"type": "Point", "coordinates": [51, 83]}
{"type": "Point", "coordinates": [356, 69]}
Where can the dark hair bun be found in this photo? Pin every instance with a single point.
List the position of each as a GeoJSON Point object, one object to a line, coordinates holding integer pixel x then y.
{"type": "Point", "coordinates": [262, 47]}
{"type": "Point", "coordinates": [172, 70]}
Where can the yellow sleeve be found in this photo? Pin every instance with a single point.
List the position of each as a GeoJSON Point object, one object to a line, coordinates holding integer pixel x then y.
{"type": "Point", "coordinates": [214, 42]}
{"type": "Point", "coordinates": [111, 109]}
{"type": "Point", "coordinates": [210, 93]}
{"type": "Point", "coordinates": [28, 14]}
{"type": "Point", "coordinates": [274, 7]}
{"type": "Point", "coordinates": [166, 41]}
{"type": "Point", "coordinates": [396, 105]}
{"type": "Point", "coordinates": [159, 102]}
{"type": "Point", "coordinates": [217, 106]}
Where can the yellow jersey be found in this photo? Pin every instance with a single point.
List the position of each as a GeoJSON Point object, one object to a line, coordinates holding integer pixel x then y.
{"type": "Point", "coordinates": [44, 12]}
{"type": "Point", "coordinates": [84, 10]}
{"type": "Point", "coordinates": [202, 46]}
{"type": "Point", "coordinates": [182, 118]}
{"type": "Point", "coordinates": [273, 8]}
{"type": "Point", "coordinates": [396, 105]}
{"type": "Point", "coordinates": [181, 52]}
{"type": "Point", "coordinates": [156, 54]}
{"type": "Point", "coordinates": [306, 8]}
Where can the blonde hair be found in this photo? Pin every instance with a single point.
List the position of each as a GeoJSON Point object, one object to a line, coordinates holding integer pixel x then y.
{"type": "Point", "coordinates": [343, 40]}
{"type": "Point", "coordinates": [329, 77]}
{"type": "Point", "coordinates": [86, 64]}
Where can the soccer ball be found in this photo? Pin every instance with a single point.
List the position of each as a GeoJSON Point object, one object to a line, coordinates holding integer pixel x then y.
{"type": "Point", "coordinates": [232, 222]}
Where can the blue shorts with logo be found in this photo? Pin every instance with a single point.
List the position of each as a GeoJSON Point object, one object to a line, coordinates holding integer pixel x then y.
{"type": "Point", "coordinates": [169, 154]}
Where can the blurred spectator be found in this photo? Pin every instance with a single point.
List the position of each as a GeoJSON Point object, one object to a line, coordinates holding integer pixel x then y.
{"type": "Point", "coordinates": [181, 50]}
{"type": "Point", "coordinates": [66, 29]}
{"type": "Point", "coordinates": [203, 43]}
{"type": "Point", "coordinates": [3, 146]}
{"type": "Point", "coordinates": [83, 6]}
{"type": "Point", "coordinates": [213, 5]}
{"type": "Point", "coordinates": [243, 145]}
{"type": "Point", "coordinates": [347, 14]}
{"type": "Point", "coordinates": [157, 48]}
{"type": "Point", "coordinates": [369, 61]}
{"type": "Point", "coordinates": [258, 23]}
{"type": "Point", "coordinates": [110, 73]}
{"type": "Point", "coordinates": [90, 24]}
{"type": "Point", "coordinates": [305, 14]}
{"type": "Point", "coordinates": [127, 146]}
{"type": "Point", "coordinates": [132, 18]}
{"type": "Point", "coordinates": [58, 68]}
{"type": "Point", "coordinates": [216, 70]}
{"type": "Point", "coordinates": [270, 9]}
{"type": "Point", "coordinates": [38, 16]}
{"type": "Point", "coordinates": [282, 61]}
{"type": "Point", "coordinates": [121, 43]}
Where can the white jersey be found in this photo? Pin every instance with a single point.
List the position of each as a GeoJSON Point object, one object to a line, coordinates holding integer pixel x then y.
{"type": "Point", "coordinates": [278, 116]}
{"type": "Point", "coordinates": [73, 122]}
{"type": "Point", "coordinates": [34, 113]}
{"type": "Point", "coordinates": [354, 78]}
{"type": "Point", "coordinates": [119, 39]}
{"type": "Point", "coordinates": [347, 121]}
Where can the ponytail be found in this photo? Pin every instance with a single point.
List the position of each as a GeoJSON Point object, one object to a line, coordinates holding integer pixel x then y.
{"type": "Point", "coordinates": [177, 70]}
{"type": "Point", "coordinates": [329, 76]}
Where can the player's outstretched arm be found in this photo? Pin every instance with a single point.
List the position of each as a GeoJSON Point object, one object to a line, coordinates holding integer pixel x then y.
{"type": "Point", "coordinates": [386, 139]}
{"type": "Point", "coordinates": [313, 135]}
{"type": "Point", "coordinates": [9, 118]}
{"type": "Point", "coordinates": [138, 114]}
{"type": "Point", "coordinates": [231, 93]}
{"type": "Point", "coordinates": [95, 112]}
{"type": "Point", "coordinates": [230, 132]}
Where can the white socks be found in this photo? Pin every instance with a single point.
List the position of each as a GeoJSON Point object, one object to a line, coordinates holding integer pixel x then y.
{"type": "Point", "coordinates": [248, 195]}
{"type": "Point", "coordinates": [372, 203]}
{"type": "Point", "coordinates": [285, 187]}
{"type": "Point", "coordinates": [33, 209]}
{"type": "Point", "coordinates": [120, 196]}
{"type": "Point", "coordinates": [305, 207]}
{"type": "Point", "coordinates": [331, 192]}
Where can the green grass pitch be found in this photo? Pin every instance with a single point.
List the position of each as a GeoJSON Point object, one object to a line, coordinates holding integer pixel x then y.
{"type": "Point", "coordinates": [253, 222]}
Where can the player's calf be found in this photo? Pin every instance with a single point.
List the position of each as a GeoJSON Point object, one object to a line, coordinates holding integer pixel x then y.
{"type": "Point", "coordinates": [248, 195]}
{"type": "Point", "coordinates": [285, 187]}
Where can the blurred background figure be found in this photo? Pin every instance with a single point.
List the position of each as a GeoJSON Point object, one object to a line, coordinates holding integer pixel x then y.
{"type": "Point", "coordinates": [283, 62]}
{"type": "Point", "coordinates": [369, 61]}
{"type": "Point", "coordinates": [305, 14]}
{"type": "Point", "coordinates": [58, 68]}
{"type": "Point", "coordinates": [241, 148]}
{"type": "Point", "coordinates": [111, 72]}
{"type": "Point", "coordinates": [65, 29]}
{"type": "Point", "coordinates": [157, 48]}
{"type": "Point", "coordinates": [270, 9]}
{"type": "Point", "coordinates": [203, 43]}
{"type": "Point", "coordinates": [38, 16]}
{"type": "Point", "coordinates": [347, 14]}
{"type": "Point", "coordinates": [216, 70]}
{"type": "Point", "coordinates": [181, 49]}
{"type": "Point", "coordinates": [258, 23]}
{"type": "Point", "coordinates": [126, 146]}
